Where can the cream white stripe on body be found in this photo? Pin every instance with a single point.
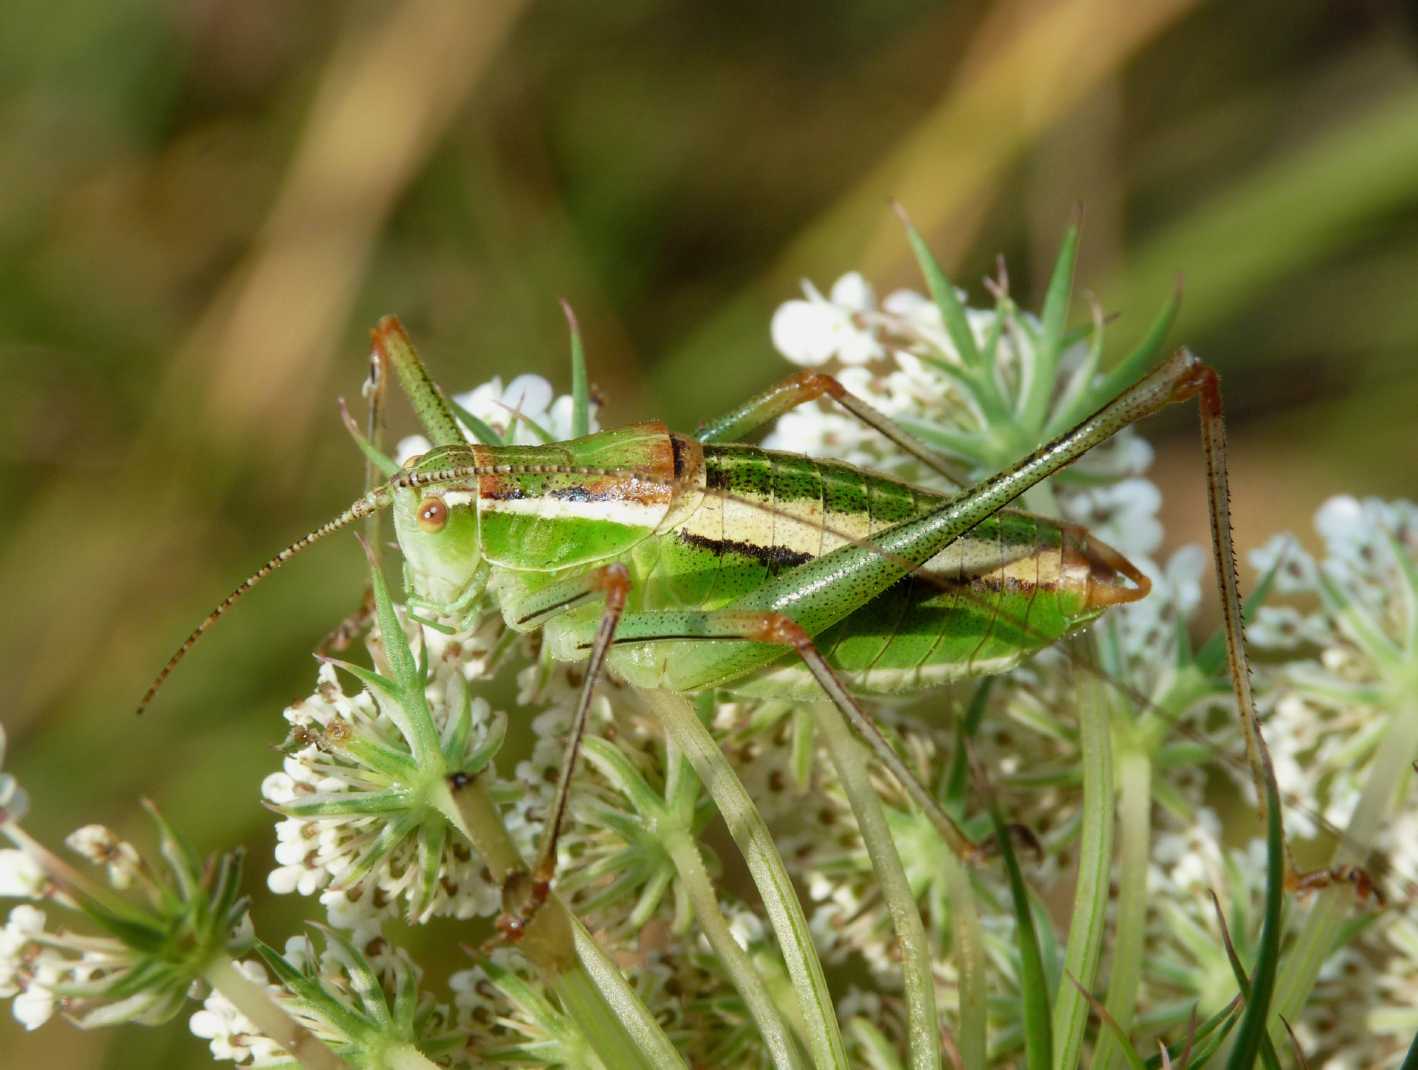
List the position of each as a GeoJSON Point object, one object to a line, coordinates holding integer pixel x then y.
{"type": "Point", "coordinates": [618, 511]}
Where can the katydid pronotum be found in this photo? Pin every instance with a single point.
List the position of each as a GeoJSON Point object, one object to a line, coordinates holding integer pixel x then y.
{"type": "Point", "coordinates": [695, 563]}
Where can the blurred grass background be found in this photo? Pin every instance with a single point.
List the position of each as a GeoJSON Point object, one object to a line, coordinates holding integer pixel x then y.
{"type": "Point", "coordinates": [206, 205]}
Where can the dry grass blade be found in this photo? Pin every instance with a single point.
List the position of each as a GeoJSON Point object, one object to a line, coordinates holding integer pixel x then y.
{"type": "Point", "coordinates": [1267, 1050]}
{"type": "Point", "coordinates": [1109, 1022]}
{"type": "Point", "coordinates": [1300, 1060]}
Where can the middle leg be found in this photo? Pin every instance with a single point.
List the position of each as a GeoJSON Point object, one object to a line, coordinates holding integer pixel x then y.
{"type": "Point", "coordinates": [780, 630]}
{"type": "Point", "coordinates": [613, 582]}
{"type": "Point", "coordinates": [804, 387]}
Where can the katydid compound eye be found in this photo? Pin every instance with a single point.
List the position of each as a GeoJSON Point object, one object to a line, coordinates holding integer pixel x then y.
{"type": "Point", "coordinates": [433, 514]}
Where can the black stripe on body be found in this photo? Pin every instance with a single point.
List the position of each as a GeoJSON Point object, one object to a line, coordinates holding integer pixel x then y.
{"type": "Point", "coordinates": [774, 558]}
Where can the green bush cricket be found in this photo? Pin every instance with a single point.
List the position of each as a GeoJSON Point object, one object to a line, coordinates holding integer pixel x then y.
{"type": "Point", "coordinates": [697, 563]}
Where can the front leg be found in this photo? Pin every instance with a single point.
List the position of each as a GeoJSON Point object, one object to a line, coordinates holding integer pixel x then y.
{"type": "Point", "coordinates": [524, 894]}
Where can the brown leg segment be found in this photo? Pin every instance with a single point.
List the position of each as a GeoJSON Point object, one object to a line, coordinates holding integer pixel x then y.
{"type": "Point", "coordinates": [805, 387]}
{"type": "Point", "coordinates": [523, 894]}
{"type": "Point", "coordinates": [1204, 384]}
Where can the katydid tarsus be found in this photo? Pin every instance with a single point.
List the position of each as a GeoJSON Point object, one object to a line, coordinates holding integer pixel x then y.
{"type": "Point", "coordinates": [695, 563]}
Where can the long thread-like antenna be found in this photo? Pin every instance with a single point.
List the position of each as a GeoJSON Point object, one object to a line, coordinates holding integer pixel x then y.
{"type": "Point", "coordinates": [378, 498]}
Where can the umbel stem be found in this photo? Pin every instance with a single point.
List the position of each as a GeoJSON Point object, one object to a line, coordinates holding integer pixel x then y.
{"type": "Point", "coordinates": [604, 1007]}
{"type": "Point", "coordinates": [253, 1001]}
{"type": "Point", "coordinates": [780, 901]}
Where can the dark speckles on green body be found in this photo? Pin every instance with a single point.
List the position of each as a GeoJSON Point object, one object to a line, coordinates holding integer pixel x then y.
{"type": "Point", "coordinates": [989, 599]}
{"type": "Point", "coordinates": [900, 587]}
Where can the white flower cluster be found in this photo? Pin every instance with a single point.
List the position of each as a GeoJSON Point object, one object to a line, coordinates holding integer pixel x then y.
{"type": "Point", "coordinates": [14, 803]}
{"type": "Point", "coordinates": [27, 974]}
{"type": "Point", "coordinates": [93, 979]}
{"type": "Point", "coordinates": [364, 834]}
{"type": "Point", "coordinates": [345, 1002]}
{"type": "Point", "coordinates": [1351, 653]}
{"type": "Point", "coordinates": [899, 357]}
{"type": "Point", "coordinates": [1348, 629]}
{"type": "Point", "coordinates": [230, 1034]}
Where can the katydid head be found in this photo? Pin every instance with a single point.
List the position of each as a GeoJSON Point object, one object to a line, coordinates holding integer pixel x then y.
{"type": "Point", "coordinates": [435, 515]}
{"type": "Point", "coordinates": [437, 526]}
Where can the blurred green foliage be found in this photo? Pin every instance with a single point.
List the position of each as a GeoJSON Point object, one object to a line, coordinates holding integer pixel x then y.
{"type": "Point", "coordinates": [206, 204]}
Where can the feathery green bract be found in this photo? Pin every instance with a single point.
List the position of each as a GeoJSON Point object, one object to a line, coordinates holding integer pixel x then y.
{"type": "Point", "coordinates": [1033, 982]}
{"type": "Point", "coordinates": [1238, 970]}
{"type": "Point", "coordinates": [1126, 372]}
{"type": "Point", "coordinates": [580, 385]}
{"type": "Point", "coordinates": [1043, 371]}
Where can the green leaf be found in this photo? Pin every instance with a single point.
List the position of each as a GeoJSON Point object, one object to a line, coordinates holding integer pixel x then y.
{"type": "Point", "coordinates": [1124, 1043]}
{"type": "Point", "coordinates": [957, 780]}
{"type": "Point", "coordinates": [309, 990]}
{"type": "Point", "coordinates": [368, 677]}
{"type": "Point", "coordinates": [364, 980]}
{"type": "Point", "coordinates": [1253, 1021]}
{"type": "Point", "coordinates": [423, 733]}
{"type": "Point", "coordinates": [391, 630]}
{"type": "Point", "coordinates": [181, 861]}
{"type": "Point", "coordinates": [391, 833]}
{"type": "Point", "coordinates": [613, 764]}
{"type": "Point", "coordinates": [482, 432]}
{"type": "Point", "coordinates": [347, 804]}
{"type": "Point", "coordinates": [1053, 325]}
{"type": "Point", "coordinates": [957, 324]}
{"type": "Point", "coordinates": [391, 762]}
{"type": "Point", "coordinates": [580, 385]}
{"type": "Point", "coordinates": [1132, 367]}
{"type": "Point", "coordinates": [952, 311]}
{"type": "Point", "coordinates": [377, 457]}
{"type": "Point", "coordinates": [1226, 1017]}
{"type": "Point", "coordinates": [487, 750]}
{"type": "Point", "coordinates": [765, 864]}
{"type": "Point", "coordinates": [1089, 916]}
{"type": "Point", "coordinates": [1238, 970]}
{"type": "Point", "coordinates": [880, 1053]}
{"type": "Point", "coordinates": [1410, 1061]}
{"type": "Point", "coordinates": [1033, 982]}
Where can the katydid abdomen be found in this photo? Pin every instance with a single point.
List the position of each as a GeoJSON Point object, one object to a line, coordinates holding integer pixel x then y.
{"type": "Point", "coordinates": [715, 523]}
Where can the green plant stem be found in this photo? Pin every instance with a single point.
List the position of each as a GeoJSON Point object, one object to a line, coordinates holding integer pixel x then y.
{"type": "Point", "coordinates": [583, 1001]}
{"type": "Point", "coordinates": [1410, 1061]}
{"type": "Point", "coordinates": [76, 884]}
{"type": "Point", "coordinates": [694, 878]}
{"type": "Point", "coordinates": [1251, 1039]}
{"type": "Point", "coordinates": [1090, 901]}
{"type": "Point", "coordinates": [407, 1057]}
{"type": "Point", "coordinates": [628, 1010]}
{"type": "Point", "coordinates": [849, 759]}
{"type": "Point", "coordinates": [609, 1015]}
{"type": "Point", "coordinates": [880, 1053]}
{"type": "Point", "coordinates": [785, 913]}
{"type": "Point", "coordinates": [256, 1004]}
{"type": "Point", "coordinates": [969, 949]}
{"type": "Point", "coordinates": [1135, 817]}
{"type": "Point", "coordinates": [1396, 751]}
